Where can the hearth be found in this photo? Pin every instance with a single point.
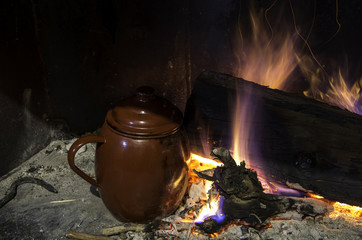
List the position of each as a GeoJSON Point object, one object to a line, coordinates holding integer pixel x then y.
{"type": "Point", "coordinates": [78, 212]}
{"type": "Point", "coordinates": [282, 92]}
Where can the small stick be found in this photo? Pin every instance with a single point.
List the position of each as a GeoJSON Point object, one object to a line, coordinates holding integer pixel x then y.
{"type": "Point", "coordinates": [68, 200]}
{"type": "Point", "coordinates": [124, 228]}
{"type": "Point", "coordinates": [189, 232]}
{"type": "Point", "coordinates": [253, 214]}
{"type": "Point", "coordinates": [85, 236]}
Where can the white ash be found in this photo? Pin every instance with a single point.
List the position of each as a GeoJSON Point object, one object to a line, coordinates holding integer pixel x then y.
{"type": "Point", "coordinates": [296, 186]}
{"type": "Point", "coordinates": [44, 215]}
{"type": "Point", "coordinates": [196, 193]}
{"type": "Point", "coordinates": [81, 150]}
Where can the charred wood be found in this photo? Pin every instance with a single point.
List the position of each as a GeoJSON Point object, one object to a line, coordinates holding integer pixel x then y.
{"type": "Point", "coordinates": [211, 226]}
{"type": "Point", "coordinates": [244, 196]}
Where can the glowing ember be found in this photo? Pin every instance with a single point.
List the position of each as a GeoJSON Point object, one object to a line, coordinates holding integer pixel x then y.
{"type": "Point", "coordinates": [341, 208]}
{"type": "Point", "coordinates": [315, 196]}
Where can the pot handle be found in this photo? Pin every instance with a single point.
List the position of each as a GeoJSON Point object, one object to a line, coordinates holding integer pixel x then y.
{"type": "Point", "coordinates": [73, 150]}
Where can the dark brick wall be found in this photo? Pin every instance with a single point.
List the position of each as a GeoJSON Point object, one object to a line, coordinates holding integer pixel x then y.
{"type": "Point", "coordinates": [70, 61]}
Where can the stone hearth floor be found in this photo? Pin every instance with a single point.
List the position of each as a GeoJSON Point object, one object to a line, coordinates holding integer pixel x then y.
{"type": "Point", "coordinates": [36, 213]}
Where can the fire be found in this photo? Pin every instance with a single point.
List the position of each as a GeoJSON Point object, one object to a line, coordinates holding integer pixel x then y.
{"type": "Point", "coordinates": [336, 91]}
{"type": "Point", "coordinates": [241, 130]}
{"type": "Point", "coordinates": [312, 195]}
{"type": "Point", "coordinates": [212, 204]}
{"type": "Point", "coordinates": [211, 209]}
{"type": "Point", "coordinates": [267, 59]}
{"type": "Point", "coordinates": [270, 59]}
{"type": "Point", "coordinates": [278, 188]}
{"type": "Point", "coordinates": [200, 163]}
{"type": "Point", "coordinates": [341, 208]}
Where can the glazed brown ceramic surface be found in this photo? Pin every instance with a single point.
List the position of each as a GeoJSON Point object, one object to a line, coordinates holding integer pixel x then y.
{"type": "Point", "coordinates": [140, 167]}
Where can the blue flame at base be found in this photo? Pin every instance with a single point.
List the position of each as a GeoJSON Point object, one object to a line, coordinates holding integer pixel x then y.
{"type": "Point", "coordinates": [219, 217]}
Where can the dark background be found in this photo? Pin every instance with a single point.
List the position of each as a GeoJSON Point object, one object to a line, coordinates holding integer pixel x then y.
{"type": "Point", "coordinates": [64, 63]}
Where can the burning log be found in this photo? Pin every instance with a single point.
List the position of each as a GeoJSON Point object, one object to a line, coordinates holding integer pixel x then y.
{"type": "Point", "coordinates": [293, 139]}
{"type": "Point", "coordinates": [244, 196]}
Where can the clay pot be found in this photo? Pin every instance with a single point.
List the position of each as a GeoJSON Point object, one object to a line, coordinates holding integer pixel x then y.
{"type": "Point", "coordinates": [141, 155]}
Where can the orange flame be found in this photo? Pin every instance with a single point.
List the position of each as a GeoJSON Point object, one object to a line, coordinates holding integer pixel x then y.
{"type": "Point", "coordinates": [211, 206]}
{"type": "Point", "coordinates": [312, 195]}
{"type": "Point", "coordinates": [209, 209]}
{"type": "Point", "coordinates": [337, 91]}
{"type": "Point", "coordinates": [203, 163]}
{"type": "Point", "coordinates": [270, 60]}
{"type": "Point", "coordinates": [266, 59]}
{"type": "Point", "coordinates": [200, 164]}
{"type": "Point", "coordinates": [341, 208]}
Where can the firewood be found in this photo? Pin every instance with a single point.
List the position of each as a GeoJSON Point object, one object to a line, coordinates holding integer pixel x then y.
{"type": "Point", "coordinates": [293, 138]}
{"type": "Point", "coordinates": [210, 226]}
{"type": "Point", "coordinates": [124, 228]}
{"type": "Point", "coordinates": [137, 227]}
{"type": "Point", "coordinates": [85, 236]}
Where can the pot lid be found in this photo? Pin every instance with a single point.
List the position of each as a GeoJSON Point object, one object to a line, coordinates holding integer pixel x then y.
{"type": "Point", "coordinates": [145, 114]}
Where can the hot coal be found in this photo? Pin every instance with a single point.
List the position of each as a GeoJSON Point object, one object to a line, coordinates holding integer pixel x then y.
{"type": "Point", "coordinates": [211, 226]}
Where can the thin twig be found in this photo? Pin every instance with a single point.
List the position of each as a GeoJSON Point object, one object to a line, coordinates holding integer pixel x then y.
{"type": "Point", "coordinates": [85, 236]}
{"type": "Point", "coordinates": [253, 214]}
{"type": "Point", "coordinates": [124, 228]}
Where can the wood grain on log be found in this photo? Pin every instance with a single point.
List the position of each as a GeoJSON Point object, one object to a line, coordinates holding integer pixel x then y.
{"type": "Point", "coordinates": [292, 138]}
